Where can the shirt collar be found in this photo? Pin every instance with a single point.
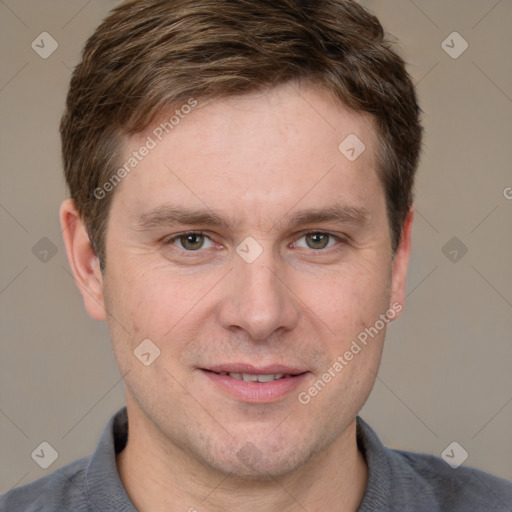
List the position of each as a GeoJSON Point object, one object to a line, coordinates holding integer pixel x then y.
{"type": "Point", "coordinates": [377, 495]}
{"type": "Point", "coordinates": [104, 488]}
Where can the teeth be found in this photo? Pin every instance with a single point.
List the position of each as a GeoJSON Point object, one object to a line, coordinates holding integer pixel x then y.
{"type": "Point", "coordinates": [265, 378]}
{"type": "Point", "coordinates": [248, 377]}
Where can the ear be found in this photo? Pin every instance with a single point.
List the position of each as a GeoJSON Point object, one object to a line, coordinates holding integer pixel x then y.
{"type": "Point", "coordinates": [400, 263]}
{"type": "Point", "coordinates": [83, 261]}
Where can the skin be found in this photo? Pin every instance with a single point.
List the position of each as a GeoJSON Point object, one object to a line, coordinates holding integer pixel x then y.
{"type": "Point", "coordinates": [256, 159]}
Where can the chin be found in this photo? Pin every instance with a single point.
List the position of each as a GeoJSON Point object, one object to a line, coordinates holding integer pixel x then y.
{"type": "Point", "coordinates": [268, 468]}
{"type": "Point", "coordinates": [259, 460]}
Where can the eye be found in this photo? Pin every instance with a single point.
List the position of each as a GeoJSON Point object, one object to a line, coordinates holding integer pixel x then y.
{"type": "Point", "coordinates": [317, 240]}
{"type": "Point", "coordinates": [192, 241]}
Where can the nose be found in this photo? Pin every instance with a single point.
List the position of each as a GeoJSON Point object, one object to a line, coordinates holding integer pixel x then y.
{"type": "Point", "coordinates": [258, 299]}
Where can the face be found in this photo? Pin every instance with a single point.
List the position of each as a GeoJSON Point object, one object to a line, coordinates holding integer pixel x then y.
{"type": "Point", "coordinates": [252, 253]}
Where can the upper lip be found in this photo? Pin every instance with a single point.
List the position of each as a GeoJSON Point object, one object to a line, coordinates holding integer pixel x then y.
{"type": "Point", "coordinates": [255, 370]}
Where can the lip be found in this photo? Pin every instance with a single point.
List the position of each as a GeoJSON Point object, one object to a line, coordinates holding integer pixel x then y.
{"type": "Point", "coordinates": [255, 392]}
{"type": "Point", "coordinates": [255, 370]}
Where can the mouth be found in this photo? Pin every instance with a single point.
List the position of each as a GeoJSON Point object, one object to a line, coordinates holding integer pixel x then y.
{"type": "Point", "coordinates": [252, 377]}
{"type": "Point", "coordinates": [250, 384]}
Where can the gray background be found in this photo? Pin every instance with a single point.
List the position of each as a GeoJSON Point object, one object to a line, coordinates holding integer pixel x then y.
{"type": "Point", "coordinates": [446, 373]}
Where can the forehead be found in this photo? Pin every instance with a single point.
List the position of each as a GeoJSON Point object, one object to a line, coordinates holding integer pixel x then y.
{"type": "Point", "coordinates": [254, 154]}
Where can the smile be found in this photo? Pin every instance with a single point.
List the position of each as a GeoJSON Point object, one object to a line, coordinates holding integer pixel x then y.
{"type": "Point", "coordinates": [251, 385]}
{"type": "Point", "coordinates": [249, 377]}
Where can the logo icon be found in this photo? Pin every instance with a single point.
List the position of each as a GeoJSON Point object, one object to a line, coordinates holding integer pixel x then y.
{"type": "Point", "coordinates": [454, 455]}
{"type": "Point", "coordinates": [146, 352]}
{"type": "Point", "coordinates": [249, 454]}
{"type": "Point", "coordinates": [44, 250]}
{"type": "Point", "coordinates": [351, 147]}
{"type": "Point", "coordinates": [44, 455]}
{"type": "Point", "coordinates": [454, 45]}
{"type": "Point", "coordinates": [454, 249]}
{"type": "Point", "coordinates": [44, 45]}
{"type": "Point", "coordinates": [249, 250]}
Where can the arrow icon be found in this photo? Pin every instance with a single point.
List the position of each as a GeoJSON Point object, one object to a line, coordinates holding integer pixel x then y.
{"type": "Point", "coordinates": [351, 147]}
{"type": "Point", "coordinates": [454, 45]}
{"type": "Point", "coordinates": [44, 455]}
{"type": "Point", "coordinates": [146, 352]}
{"type": "Point", "coordinates": [249, 454]}
{"type": "Point", "coordinates": [44, 45]}
{"type": "Point", "coordinates": [454, 455]}
{"type": "Point", "coordinates": [454, 249]}
{"type": "Point", "coordinates": [44, 250]}
{"type": "Point", "coordinates": [249, 249]}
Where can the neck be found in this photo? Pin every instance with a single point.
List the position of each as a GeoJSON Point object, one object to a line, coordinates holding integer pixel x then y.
{"type": "Point", "coordinates": [160, 477]}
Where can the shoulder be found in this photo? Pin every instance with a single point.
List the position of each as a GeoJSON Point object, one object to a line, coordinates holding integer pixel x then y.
{"type": "Point", "coordinates": [407, 481]}
{"type": "Point", "coordinates": [461, 489]}
{"type": "Point", "coordinates": [63, 489]}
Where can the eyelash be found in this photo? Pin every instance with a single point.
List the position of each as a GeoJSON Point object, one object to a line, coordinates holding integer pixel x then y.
{"type": "Point", "coordinates": [170, 241]}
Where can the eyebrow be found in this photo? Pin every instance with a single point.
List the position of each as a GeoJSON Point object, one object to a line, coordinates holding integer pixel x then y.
{"type": "Point", "coordinates": [168, 215]}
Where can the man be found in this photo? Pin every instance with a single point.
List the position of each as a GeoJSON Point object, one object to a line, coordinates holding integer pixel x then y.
{"type": "Point", "coordinates": [241, 179]}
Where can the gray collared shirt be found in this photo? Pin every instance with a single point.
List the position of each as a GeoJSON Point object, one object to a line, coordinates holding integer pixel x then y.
{"type": "Point", "coordinates": [397, 481]}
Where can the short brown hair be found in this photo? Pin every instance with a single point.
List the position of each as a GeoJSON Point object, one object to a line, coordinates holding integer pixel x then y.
{"type": "Point", "coordinates": [150, 54]}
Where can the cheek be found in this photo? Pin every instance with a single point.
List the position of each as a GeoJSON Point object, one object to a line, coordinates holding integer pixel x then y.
{"type": "Point", "coordinates": [134, 305]}
{"type": "Point", "coordinates": [349, 298]}
{"type": "Point", "coordinates": [155, 303]}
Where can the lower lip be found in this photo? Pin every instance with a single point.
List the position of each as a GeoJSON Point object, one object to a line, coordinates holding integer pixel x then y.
{"type": "Point", "coordinates": [256, 392]}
